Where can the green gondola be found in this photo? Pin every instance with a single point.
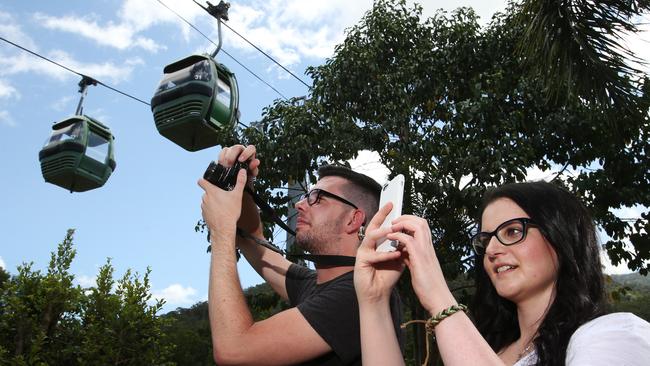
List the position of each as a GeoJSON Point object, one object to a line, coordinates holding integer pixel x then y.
{"type": "Point", "coordinates": [197, 99]}
{"type": "Point", "coordinates": [78, 155]}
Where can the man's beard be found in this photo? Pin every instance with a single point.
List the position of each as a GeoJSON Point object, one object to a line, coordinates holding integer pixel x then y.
{"type": "Point", "coordinates": [318, 240]}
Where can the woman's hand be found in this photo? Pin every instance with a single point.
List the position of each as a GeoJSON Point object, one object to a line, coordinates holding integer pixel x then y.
{"type": "Point", "coordinates": [375, 273]}
{"type": "Point", "coordinates": [427, 278]}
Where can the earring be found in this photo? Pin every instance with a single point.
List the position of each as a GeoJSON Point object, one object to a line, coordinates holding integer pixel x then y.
{"type": "Point", "coordinates": [362, 232]}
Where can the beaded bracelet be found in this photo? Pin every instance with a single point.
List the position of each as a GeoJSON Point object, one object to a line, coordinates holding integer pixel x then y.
{"type": "Point", "coordinates": [431, 323]}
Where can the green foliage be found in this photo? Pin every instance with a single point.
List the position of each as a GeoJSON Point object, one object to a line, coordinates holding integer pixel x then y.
{"type": "Point", "coordinates": [263, 301]}
{"type": "Point", "coordinates": [188, 330]}
{"type": "Point", "coordinates": [578, 47]}
{"type": "Point", "coordinates": [451, 106]}
{"type": "Point", "coordinates": [47, 320]}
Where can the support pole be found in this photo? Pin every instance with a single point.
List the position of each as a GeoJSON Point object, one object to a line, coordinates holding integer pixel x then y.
{"type": "Point", "coordinates": [83, 86]}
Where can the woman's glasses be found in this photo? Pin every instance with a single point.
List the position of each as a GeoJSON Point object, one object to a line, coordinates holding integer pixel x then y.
{"type": "Point", "coordinates": [508, 233]}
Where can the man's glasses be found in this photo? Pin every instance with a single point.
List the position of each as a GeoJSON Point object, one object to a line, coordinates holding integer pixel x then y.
{"type": "Point", "coordinates": [314, 196]}
{"type": "Point", "coordinates": [508, 233]}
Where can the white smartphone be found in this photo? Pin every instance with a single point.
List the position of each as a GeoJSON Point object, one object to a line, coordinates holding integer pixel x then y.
{"type": "Point", "coordinates": [392, 191]}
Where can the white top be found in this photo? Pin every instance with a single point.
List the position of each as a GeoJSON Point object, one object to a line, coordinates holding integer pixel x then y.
{"type": "Point", "coordinates": [621, 339]}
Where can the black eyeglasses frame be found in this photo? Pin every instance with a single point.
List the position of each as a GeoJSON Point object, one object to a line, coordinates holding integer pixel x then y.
{"type": "Point", "coordinates": [320, 193]}
{"type": "Point", "coordinates": [479, 245]}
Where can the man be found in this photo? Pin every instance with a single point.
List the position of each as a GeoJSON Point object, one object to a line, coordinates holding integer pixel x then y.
{"type": "Point", "coordinates": [323, 326]}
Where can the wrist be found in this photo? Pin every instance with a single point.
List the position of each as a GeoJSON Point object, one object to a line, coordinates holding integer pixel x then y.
{"type": "Point", "coordinates": [373, 303]}
{"type": "Point", "coordinates": [222, 238]}
{"type": "Point", "coordinates": [438, 304]}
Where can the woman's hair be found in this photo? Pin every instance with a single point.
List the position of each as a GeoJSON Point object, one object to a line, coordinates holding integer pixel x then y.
{"type": "Point", "coordinates": [579, 292]}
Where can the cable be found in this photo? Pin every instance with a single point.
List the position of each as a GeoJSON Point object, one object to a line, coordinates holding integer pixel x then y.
{"type": "Point", "coordinates": [222, 50]}
{"type": "Point", "coordinates": [268, 56]}
{"type": "Point", "coordinates": [250, 43]}
{"type": "Point", "coordinates": [73, 71]}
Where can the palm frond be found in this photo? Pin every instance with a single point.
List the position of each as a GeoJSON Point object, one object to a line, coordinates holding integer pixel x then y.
{"type": "Point", "coordinates": [577, 47]}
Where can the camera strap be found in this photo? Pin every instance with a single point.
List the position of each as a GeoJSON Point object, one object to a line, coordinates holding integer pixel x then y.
{"type": "Point", "coordinates": [326, 260]}
{"type": "Point", "coordinates": [268, 210]}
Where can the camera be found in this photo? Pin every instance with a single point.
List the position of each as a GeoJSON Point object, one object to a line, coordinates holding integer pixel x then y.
{"type": "Point", "coordinates": [224, 177]}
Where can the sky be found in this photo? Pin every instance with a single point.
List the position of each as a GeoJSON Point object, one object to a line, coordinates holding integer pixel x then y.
{"type": "Point", "coordinates": [144, 217]}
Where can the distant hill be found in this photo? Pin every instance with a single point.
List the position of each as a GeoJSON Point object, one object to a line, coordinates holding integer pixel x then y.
{"type": "Point", "coordinates": [633, 280]}
{"type": "Point", "coordinates": [630, 293]}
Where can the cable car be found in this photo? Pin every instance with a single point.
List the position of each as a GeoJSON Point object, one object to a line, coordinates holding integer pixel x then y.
{"type": "Point", "coordinates": [78, 155]}
{"type": "Point", "coordinates": [196, 101]}
{"type": "Point", "coordinates": [196, 104]}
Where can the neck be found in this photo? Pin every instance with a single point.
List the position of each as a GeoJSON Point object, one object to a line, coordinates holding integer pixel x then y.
{"type": "Point", "coordinates": [346, 246]}
{"type": "Point", "coordinates": [531, 313]}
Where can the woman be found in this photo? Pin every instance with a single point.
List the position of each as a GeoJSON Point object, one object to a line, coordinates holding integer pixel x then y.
{"type": "Point", "coordinates": [539, 296]}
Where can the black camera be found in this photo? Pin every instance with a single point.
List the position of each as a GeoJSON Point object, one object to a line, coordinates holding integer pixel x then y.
{"type": "Point", "coordinates": [224, 177]}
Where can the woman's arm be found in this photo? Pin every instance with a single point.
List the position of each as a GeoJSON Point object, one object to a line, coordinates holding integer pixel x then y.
{"type": "Point", "coordinates": [375, 274]}
{"type": "Point", "coordinates": [459, 342]}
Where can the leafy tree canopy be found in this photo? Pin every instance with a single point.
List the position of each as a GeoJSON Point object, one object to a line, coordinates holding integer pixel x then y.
{"type": "Point", "coordinates": [458, 108]}
{"type": "Point", "coordinates": [47, 320]}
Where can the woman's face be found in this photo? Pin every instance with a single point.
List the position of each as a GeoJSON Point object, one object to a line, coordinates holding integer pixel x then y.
{"type": "Point", "coordinates": [523, 271]}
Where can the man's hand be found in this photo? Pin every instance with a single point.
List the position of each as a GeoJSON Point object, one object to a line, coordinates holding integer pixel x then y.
{"type": "Point", "coordinates": [229, 155]}
{"type": "Point", "coordinates": [249, 220]}
{"type": "Point", "coordinates": [221, 209]}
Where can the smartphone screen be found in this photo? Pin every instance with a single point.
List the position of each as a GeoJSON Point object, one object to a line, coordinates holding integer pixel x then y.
{"type": "Point", "coordinates": [392, 191]}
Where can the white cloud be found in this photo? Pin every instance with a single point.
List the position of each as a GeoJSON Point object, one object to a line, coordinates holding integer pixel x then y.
{"type": "Point", "coordinates": [176, 294]}
{"type": "Point", "coordinates": [10, 30]}
{"type": "Point", "coordinates": [290, 30]}
{"type": "Point", "coordinates": [121, 36]}
{"type": "Point", "coordinates": [6, 119]}
{"type": "Point", "coordinates": [630, 213]}
{"type": "Point", "coordinates": [106, 71]}
{"type": "Point", "coordinates": [133, 18]}
{"type": "Point", "coordinates": [7, 91]}
{"type": "Point", "coordinates": [143, 14]}
{"type": "Point", "coordinates": [2, 264]}
{"type": "Point", "coordinates": [609, 268]}
{"type": "Point", "coordinates": [368, 163]}
{"type": "Point", "coordinates": [63, 103]}
{"type": "Point", "coordinates": [16, 63]}
{"type": "Point", "coordinates": [86, 281]}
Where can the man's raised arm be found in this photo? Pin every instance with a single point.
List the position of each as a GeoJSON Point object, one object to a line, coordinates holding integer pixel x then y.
{"type": "Point", "coordinates": [285, 338]}
{"type": "Point", "coordinates": [270, 265]}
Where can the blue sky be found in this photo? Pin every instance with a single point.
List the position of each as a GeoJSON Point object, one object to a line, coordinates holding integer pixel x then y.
{"type": "Point", "coordinates": [146, 213]}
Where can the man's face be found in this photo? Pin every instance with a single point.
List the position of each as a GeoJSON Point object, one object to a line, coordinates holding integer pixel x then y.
{"type": "Point", "coordinates": [320, 226]}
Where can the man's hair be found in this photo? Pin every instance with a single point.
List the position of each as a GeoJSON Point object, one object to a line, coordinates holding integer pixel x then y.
{"type": "Point", "coordinates": [568, 227]}
{"type": "Point", "coordinates": [362, 190]}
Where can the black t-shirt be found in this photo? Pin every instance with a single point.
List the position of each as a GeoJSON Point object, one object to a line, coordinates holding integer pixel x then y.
{"type": "Point", "coordinates": [331, 308]}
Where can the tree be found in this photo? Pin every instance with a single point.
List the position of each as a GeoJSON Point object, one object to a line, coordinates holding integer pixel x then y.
{"type": "Point", "coordinates": [35, 308]}
{"type": "Point", "coordinates": [46, 319]}
{"type": "Point", "coordinates": [457, 109]}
